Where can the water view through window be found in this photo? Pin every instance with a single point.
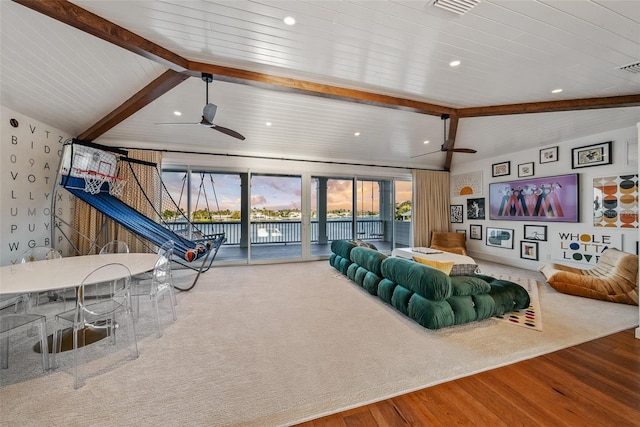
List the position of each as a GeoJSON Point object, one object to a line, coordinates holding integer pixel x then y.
{"type": "Point", "coordinates": [263, 219]}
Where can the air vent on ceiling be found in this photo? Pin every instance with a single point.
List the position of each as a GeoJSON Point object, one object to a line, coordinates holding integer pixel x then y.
{"type": "Point", "coordinates": [456, 6]}
{"type": "Point", "coordinates": [632, 68]}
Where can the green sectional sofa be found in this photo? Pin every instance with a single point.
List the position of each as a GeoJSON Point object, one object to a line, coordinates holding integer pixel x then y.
{"type": "Point", "coordinates": [425, 294]}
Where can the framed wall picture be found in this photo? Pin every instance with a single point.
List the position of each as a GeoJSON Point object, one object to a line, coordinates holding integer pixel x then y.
{"type": "Point", "coordinates": [591, 155]}
{"type": "Point", "coordinates": [475, 231]}
{"type": "Point", "coordinates": [525, 169]}
{"type": "Point", "coordinates": [546, 199]}
{"type": "Point", "coordinates": [455, 214]}
{"type": "Point", "coordinates": [500, 237]}
{"type": "Point", "coordinates": [501, 169]}
{"type": "Point", "coordinates": [529, 250]}
{"type": "Point", "coordinates": [548, 155]}
{"type": "Point", "coordinates": [535, 232]}
{"type": "Point", "coordinates": [475, 208]}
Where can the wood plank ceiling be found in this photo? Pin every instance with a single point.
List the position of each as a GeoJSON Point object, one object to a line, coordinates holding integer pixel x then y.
{"type": "Point", "coordinates": [380, 68]}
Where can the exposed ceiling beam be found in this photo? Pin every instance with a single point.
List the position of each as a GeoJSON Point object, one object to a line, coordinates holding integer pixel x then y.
{"type": "Point", "coordinates": [82, 19]}
{"type": "Point", "coordinates": [552, 106]}
{"type": "Point", "coordinates": [272, 82]}
{"type": "Point", "coordinates": [161, 85]}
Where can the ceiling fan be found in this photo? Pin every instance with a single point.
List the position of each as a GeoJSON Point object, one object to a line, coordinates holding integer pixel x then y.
{"type": "Point", "coordinates": [208, 113]}
{"type": "Point", "coordinates": [448, 143]}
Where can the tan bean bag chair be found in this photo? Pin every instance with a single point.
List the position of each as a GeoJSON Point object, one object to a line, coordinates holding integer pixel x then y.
{"type": "Point", "coordinates": [449, 242]}
{"type": "Point", "coordinates": [614, 278]}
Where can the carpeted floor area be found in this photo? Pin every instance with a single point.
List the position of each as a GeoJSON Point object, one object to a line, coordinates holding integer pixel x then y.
{"type": "Point", "coordinates": [277, 344]}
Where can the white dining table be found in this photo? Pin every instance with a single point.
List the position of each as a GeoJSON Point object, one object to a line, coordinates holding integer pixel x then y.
{"type": "Point", "coordinates": [69, 272]}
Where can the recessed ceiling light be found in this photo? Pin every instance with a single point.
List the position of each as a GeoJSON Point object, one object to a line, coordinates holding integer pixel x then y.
{"type": "Point", "coordinates": [177, 113]}
{"type": "Point", "coordinates": [556, 91]}
{"type": "Point", "coordinates": [426, 142]}
{"type": "Point", "coordinates": [454, 63]}
{"type": "Point", "coordinates": [289, 20]}
{"type": "Point", "coordinates": [357, 133]}
{"type": "Point", "coordinates": [268, 123]}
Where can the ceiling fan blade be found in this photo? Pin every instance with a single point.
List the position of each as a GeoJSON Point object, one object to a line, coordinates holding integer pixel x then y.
{"type": "Point", "coordinates": [179, 124]}
{"type": "Point", "coordinates": [228, 131]}
{"type": "Point", "coordinates": [463, 150]}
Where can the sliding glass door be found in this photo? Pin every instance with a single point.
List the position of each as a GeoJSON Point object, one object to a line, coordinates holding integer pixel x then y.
{"type": "Point", "coordinates": [289, 217]}
{"type": "Point", "coordinates": [331, 212]}
{"type": "Point", "coordinates": [276, 217]}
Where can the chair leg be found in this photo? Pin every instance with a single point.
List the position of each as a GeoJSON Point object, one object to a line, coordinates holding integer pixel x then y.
{"type": "Point", "coordinates": [4, 354]}
{"type": "Point", "coordinates": [132, 334]}
{"type": "Point", "coordinates": [157, 315]}
{"type": "Point", "coordinates": [44, 344]}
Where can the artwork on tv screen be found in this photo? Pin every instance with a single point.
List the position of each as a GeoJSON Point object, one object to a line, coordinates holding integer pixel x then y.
{"type": "Point", "coordinates": [549, 199]}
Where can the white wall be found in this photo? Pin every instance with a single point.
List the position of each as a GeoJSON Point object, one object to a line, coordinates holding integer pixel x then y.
{"type": "Point", "coordinates": [29, 157]}
{"type": "Point", "coordinates": [624, 141]}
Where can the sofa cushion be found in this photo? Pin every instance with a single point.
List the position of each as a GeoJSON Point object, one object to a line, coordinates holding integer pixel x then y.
{"type": "Point", "coordinates": [469, 285]}
{"type": "Point", "coordinates": [342, 248]}
{"type": "Point", "coordinates": [370, 259]}
{"type": "Point", "coordinates": [443, 266]}
{"type": "Point", "coordinates": [424, 281]}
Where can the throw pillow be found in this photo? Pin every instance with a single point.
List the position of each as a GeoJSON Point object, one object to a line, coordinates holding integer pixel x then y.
{"type": "Point", "coordinates": [464, 270]}
{"type": "Point", "coordinates": [445, 267]}
{"type": "Point", "coordinates": [364, 244]}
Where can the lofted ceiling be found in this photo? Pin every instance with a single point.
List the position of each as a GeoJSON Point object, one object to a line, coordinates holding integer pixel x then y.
{"type": "Point", "coordinates": [108, 71]}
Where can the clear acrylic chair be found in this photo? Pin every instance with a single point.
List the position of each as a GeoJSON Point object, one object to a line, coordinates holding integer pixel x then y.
{"type": "Point", "coordinates": [115, 247]}
{"type": "Point", "coordinates": [10, 323]}
{"type": "Point", "coordinates": [42, 253]}
{"type": "Point", "coordinates": [160, 284]}
{"type": "Point", "coordinates": [98, 323]}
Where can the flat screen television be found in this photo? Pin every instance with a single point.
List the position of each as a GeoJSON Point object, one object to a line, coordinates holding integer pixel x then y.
{"type": "Point", "coordinates": [548, 199]}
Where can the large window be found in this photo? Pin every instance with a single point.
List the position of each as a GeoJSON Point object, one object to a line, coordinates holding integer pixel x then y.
{"type": "Point", "coordinates": [331, 212]}
{"type": "Point", "coordinates": [276, 216]}
{"type": "Point", "coordinates": [263, 217]}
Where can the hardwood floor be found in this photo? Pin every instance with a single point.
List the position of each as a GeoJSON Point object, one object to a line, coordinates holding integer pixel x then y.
{"type": "Point", "coordinates": [592, 384]}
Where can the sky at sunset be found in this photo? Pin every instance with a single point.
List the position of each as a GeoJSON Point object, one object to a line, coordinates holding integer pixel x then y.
{"type": "Point", "coordinates": [273, 192]}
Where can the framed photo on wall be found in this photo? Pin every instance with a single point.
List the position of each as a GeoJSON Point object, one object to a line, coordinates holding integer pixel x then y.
{"type": "Point", "coordinates": [535, 232]}
{"type": "Point", "coordinates": [455, 214]}
{"type": "Point", "coordinates": [529, 250]}
{"type": "Point", "coordinates": [501, 169]}
{"type": "Point", "coordinates": [500, 237]}
{"type": "Point", "coordinates": [591, 155]}
{"type": "Point", "coordinates": [548, 155]}
{"type": "Point", "coordinates": [545, 199]}
{"type": "Point", "coordinates": [475, 208]}
{"type": "Point", "coordinates": [525, 169]}
{"type": "Point", "coordinates": [475, 231]}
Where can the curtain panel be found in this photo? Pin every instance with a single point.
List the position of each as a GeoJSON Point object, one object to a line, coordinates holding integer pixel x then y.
{"type": "Point", "coordinates": [430, 205]}
{"type": "Point", "coordinates": [92, 230]}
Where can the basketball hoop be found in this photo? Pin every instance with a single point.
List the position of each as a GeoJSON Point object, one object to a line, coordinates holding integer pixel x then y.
{"type": "Point", "coordinates": [116, 185]}
{"type": "Point", "coordinates": [92, 181]}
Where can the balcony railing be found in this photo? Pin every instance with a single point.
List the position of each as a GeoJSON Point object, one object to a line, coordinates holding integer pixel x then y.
{"type": "Point", "coordinates": [287, 231]}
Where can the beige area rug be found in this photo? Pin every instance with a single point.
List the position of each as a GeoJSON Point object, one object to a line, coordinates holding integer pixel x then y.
{"type": "Point", "coordinates": [277, 344]}
{"type": "Point", "coordinates": [530, 317]}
